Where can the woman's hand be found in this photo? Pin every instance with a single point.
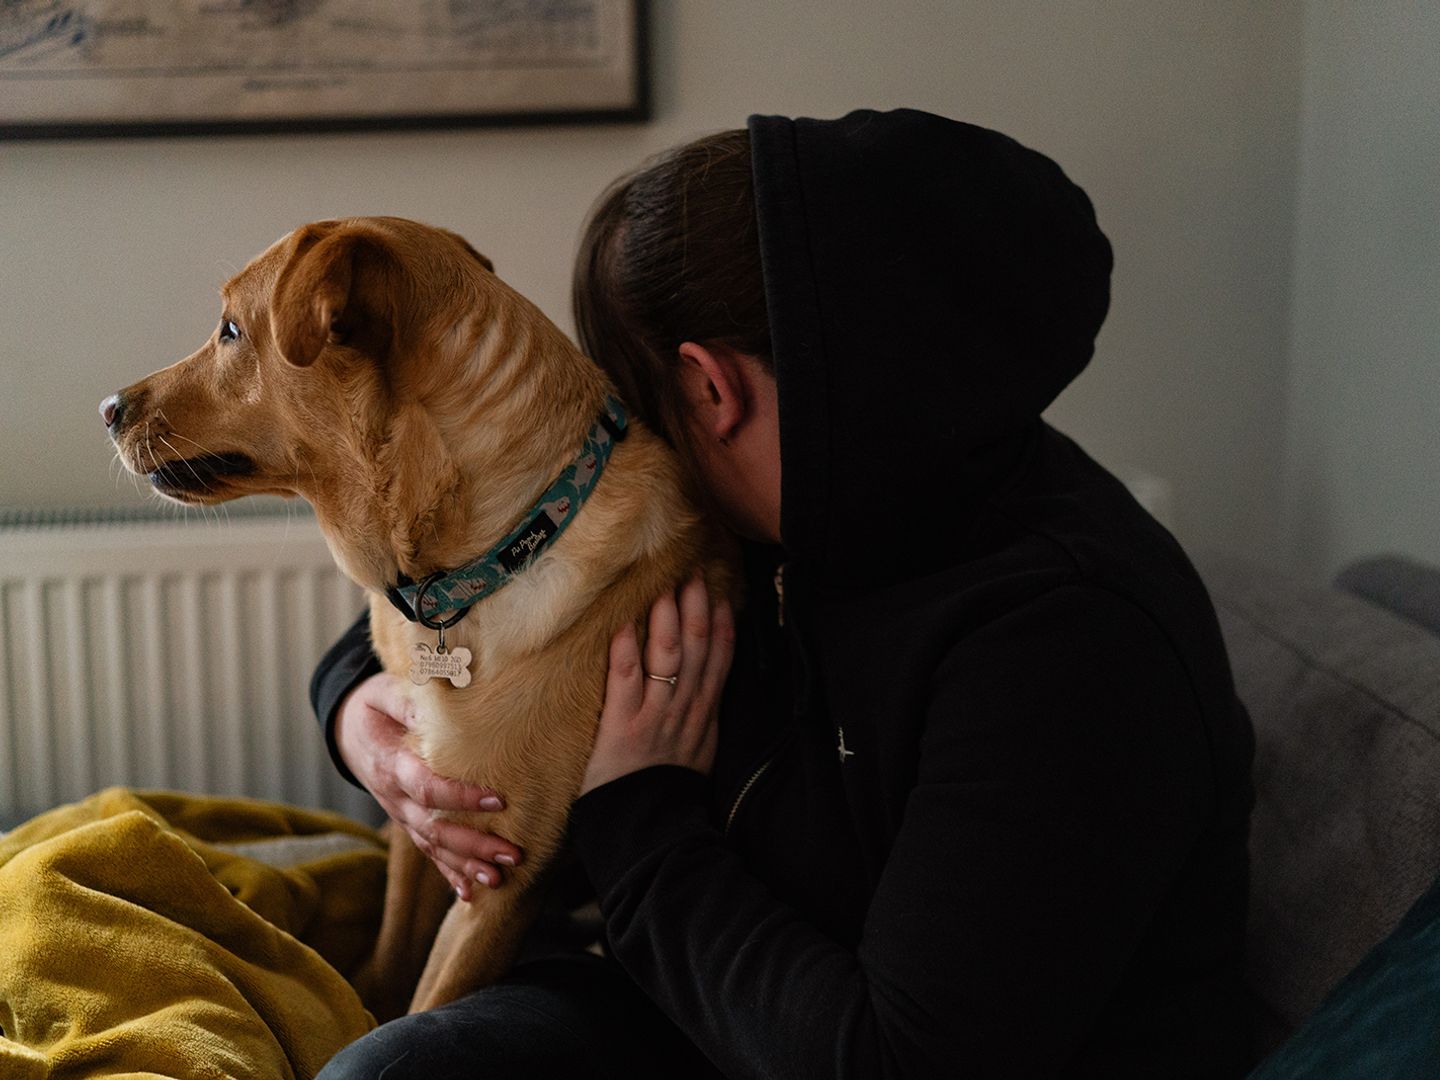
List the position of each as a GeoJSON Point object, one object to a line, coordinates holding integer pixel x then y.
{"type": "Point", "coordinates": [370, 729]}
{"type": "Point", "coordinates": [647, 721]}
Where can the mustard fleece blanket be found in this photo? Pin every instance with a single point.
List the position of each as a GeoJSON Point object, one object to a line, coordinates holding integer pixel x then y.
{"type": "Point", "coordinates": [141, 934]}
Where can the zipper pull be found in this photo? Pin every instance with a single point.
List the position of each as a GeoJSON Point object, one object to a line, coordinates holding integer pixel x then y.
{"type": "Point", "coordinates": [780, 595]}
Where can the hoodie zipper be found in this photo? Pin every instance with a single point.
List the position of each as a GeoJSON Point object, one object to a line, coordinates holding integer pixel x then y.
{"type": "Point", "coordinates": [740, 798]}
{"type": "Point", "coordinates": [779, 581]}
{"type": "Point", "coordinates": [780, 595]}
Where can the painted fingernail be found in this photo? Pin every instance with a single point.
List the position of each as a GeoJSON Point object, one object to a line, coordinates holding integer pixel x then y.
{"type": "Point", "coordinates": [505, 859]}
{"type": "Point", "coordinates": [491, 802]}
{"type": "Point", "coordinates": [483, 876]}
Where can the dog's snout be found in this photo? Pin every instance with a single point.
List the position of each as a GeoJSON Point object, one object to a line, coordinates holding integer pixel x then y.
{"type": "Point", "coordinates": [111, 411]}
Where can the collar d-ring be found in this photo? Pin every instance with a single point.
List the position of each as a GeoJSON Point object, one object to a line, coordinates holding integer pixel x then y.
{"type": "Point", "coordinates": [425, 620]}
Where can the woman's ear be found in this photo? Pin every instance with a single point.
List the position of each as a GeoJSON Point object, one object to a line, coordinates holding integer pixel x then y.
{"type": "Point", "coordinates": [717, 386]}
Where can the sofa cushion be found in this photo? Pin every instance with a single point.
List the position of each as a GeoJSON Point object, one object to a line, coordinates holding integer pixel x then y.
{"type": "Point", "coordinates": [1345, 698]}
{"type": "Point", "coordinates": [1383, 1021]}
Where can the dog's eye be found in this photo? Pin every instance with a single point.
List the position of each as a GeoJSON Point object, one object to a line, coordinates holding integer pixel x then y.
{"type": "Point", "coordinates": [228, 330]}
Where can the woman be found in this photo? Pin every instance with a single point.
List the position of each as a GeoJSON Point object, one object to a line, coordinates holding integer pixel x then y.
{"type": "Point", "coordinates": [980, 796]}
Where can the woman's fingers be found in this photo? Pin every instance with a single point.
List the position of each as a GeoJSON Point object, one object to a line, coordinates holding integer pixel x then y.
{"type": "Point", "coordinates": [720, 654]}
{"type": "Point", "coordinates": [464, 844]}
{"type": "Point", "coordinates": [647, 721]}
{"type": "Point", "coordinates": [413, 795]}
{"type": "Point", "coordinates": [712, 681]}
{"type": "Point", "coordinates": [435, 792]}
{"type": "Point", "coordinates": [464, 875]}
{"type": "Point", "coordinates": [463, 854]}
{"type": "Point", "coordinates": [464, 882]}
{"type": "Point", "coordinates": [695, 633]}
{"type": "Point", "coordinates": [663, 643]}
{"type": "Point", "coordinates": [677, 645]}
{"type": "Point", "coordinates": [458, 884]}
{"type": "Point", "coordinates": [625, 684]}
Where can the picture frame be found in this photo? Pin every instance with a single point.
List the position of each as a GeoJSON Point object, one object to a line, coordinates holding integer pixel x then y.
{"type": "Point", "coordinates": [101, 68]}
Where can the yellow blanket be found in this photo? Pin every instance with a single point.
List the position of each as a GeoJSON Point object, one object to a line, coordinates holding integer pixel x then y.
{"type": "Point", "coordinates": [140, 935]}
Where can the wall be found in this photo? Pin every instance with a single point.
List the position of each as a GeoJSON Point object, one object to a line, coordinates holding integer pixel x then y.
{"type": "Point", "coordinates": [1180, 122]}
{"type": "Point", "coordinates": [1363, 452]}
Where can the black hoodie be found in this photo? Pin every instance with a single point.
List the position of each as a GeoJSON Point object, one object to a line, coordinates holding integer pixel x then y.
{"type": "Point", "coordinates": [981, 796]}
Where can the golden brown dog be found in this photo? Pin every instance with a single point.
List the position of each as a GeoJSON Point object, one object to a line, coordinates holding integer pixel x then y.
{"type": "Point", "coordinates": [378, 368]}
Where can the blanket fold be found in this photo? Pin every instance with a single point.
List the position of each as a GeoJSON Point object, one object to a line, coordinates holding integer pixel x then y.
{"type": "Point", "coordinates": [142, 934]}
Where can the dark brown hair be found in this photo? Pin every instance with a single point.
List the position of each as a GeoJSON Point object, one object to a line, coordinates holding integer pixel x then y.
{"type": "Point", "coordinates": [671, 254]}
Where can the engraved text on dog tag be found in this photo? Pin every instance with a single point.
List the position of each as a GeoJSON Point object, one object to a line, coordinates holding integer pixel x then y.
{"type": "Point", "coordinates": [427, 664]}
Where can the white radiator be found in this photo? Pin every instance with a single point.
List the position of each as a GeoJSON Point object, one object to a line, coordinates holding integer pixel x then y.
{"type": "Point", "coordinates": [167, 654]}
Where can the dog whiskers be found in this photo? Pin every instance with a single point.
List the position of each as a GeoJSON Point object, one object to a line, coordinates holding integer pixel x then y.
{"type": "Point", "coordinates": [160, 414]}
{"type": "Point", "coordinates": [180, 457]}
{"type": "Point", "coordinates": [199, 446]}
{"type": "Point", "coordinates": [121, 469]}
{"type": "Point", "coordinates": [150, 449]}
{"type": "Point", "coordinates": [295, 483]}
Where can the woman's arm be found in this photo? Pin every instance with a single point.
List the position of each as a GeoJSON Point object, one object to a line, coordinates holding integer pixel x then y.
{"type": "Point", "coordinates": [345, 665]}
{"type": "Point", "coordinates": [1047, 819]}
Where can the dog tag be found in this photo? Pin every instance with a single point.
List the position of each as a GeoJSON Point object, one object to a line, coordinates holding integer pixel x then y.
{"type": "Point", "coordinates": [427, 664]}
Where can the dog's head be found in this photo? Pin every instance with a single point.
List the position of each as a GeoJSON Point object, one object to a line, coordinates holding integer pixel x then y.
{"type": "Point", "coordinates": [349, 360]}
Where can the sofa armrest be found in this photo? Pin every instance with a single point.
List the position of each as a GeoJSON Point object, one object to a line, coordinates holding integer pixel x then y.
{"type": "Point", "coordinates": [1408, 588]}
{"type": "Point", "coordinates": [1345, 698]}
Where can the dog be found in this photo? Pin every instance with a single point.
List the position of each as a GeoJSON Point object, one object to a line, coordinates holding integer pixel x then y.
{"type": "Point", "coordinates": [378, 368]}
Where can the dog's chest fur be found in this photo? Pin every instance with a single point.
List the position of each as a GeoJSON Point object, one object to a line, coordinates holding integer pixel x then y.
{"type": "Point", "coordinates": [540, 645]}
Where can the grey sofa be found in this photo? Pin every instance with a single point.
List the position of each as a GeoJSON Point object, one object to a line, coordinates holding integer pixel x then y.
{"type": "Point", "coordinates": [1343, 685]}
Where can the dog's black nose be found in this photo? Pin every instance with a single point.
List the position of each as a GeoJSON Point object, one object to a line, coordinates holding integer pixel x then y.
{"type": "Point", "coordinates": [111, 410]}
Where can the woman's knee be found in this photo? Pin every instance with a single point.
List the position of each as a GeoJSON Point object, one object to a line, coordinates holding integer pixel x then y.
{"type": "Point", "coordinates": [463, 1038]}
{"type": "Point", "coordinates": [537, 1030]}
{"type": "Point", "coordinates": [564, 1017]}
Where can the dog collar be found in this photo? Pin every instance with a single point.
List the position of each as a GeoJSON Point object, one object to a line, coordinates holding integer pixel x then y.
{"type": "Point", "coordinates": [449, 591]}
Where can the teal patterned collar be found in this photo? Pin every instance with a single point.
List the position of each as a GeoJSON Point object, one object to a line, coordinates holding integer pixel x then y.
{"type": "Point", "coordinates": [457, 590]}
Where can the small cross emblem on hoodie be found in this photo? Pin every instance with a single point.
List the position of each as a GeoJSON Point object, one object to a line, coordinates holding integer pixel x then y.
{"type": "Point", "coordinates": [844, 752]}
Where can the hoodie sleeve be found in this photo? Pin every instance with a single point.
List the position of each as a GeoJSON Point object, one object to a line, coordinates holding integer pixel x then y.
{"type": "Point", "coordinates": [345, 665]}
{"type": "Point", "coordinates": [1053, 805]}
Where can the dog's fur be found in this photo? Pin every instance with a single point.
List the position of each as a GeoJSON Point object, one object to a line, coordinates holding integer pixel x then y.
{"type": "Point", "coordinates": [383, 372]}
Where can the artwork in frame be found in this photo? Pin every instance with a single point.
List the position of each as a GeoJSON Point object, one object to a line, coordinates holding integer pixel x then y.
{"type": "Point", "coordinates": [73, 68]}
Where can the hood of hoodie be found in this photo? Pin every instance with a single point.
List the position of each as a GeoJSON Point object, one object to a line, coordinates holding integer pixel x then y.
{"type": "Point", "coordinates": [931, 286]}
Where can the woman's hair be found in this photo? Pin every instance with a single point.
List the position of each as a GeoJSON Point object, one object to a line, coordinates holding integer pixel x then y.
{"type": "Point", "coordinates": [671, 254]}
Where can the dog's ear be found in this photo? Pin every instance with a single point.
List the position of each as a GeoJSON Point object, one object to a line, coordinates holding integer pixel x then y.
{"type": "Point", "coordinates": [338, 286]}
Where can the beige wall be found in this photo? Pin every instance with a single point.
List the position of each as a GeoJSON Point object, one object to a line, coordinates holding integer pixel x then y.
{"type": "Point", "coordinates": [1363, 461]}
{"type": "Point", "coordinates": [1180, 119]}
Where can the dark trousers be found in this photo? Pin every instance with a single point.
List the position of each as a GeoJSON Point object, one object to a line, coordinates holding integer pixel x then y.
{"type": "Point", "coordinates": [573, 1015]}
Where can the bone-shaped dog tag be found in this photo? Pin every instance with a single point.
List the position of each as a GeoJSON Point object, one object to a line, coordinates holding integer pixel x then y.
{"type": "Point", "coordinates": [427, 664]}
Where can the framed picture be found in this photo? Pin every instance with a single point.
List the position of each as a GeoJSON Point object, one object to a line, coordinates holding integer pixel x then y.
{"type": "Point", "coordinates": [73, 68]}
